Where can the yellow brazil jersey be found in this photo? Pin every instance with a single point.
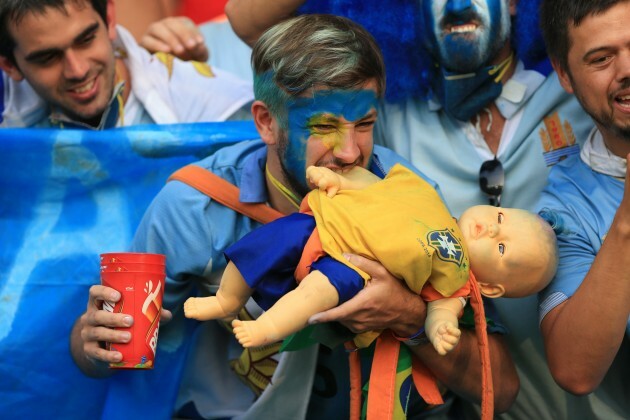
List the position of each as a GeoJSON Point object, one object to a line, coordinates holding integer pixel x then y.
{"type": "Point", "coordinates": [400, 222]}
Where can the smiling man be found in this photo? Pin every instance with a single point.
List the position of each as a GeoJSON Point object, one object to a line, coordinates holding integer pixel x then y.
{"type": "Point", "coordinates": [69, 65]}
{"type": "Point", "coordinates": [588, 301]}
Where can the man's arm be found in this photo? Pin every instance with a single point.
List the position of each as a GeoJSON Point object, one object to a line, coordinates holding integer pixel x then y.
{"type": "Point", "coordinates": [386, 303]}
{"type": "Point", "coordinates": [583, 334]}
{"type": "Point", "coordinates": [250, 18]}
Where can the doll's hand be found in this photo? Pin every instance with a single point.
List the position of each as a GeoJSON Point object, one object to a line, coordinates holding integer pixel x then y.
{"type": "Point", "coordinates": [445, 337]}
{"type": "Point", "coordinates": [178, 36]}
{"type": "Point", "coordinates": [324, 179]}
{"type": "Point", "coordinates": [385, 302]}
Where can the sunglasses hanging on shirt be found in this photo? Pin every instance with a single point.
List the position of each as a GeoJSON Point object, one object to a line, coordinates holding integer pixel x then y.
{"type": "Point", "coordinates": [491, 180]}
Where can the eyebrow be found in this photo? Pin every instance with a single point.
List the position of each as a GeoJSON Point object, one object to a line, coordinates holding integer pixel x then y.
{"type": "Point", "coordinates": [594, 51]}
{"type": "Point", "coordinates": [33, 56]}
{"type": "Point", "coordinates": [371, 114]}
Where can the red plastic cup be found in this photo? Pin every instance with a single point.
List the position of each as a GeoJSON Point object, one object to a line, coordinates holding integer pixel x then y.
{"type": "Point", "coordinates": [141, 296]}
{"type": "Point", "coordinates": [132, 257]}
{"type": "Point", "coordinates": [134, 267]}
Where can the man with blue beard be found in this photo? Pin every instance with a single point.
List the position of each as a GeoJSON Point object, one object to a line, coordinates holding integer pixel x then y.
{"type": "Point", "coordinates": [476, 107]}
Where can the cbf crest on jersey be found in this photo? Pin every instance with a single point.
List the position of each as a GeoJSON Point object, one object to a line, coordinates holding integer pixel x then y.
{"type": "Point", "coordinates": [446, 245]}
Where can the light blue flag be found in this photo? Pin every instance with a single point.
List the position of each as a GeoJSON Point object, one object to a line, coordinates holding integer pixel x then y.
{"type": "Point", "coordinates": [65, 197]}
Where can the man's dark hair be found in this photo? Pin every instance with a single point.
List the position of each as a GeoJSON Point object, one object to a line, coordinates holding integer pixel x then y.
{"type": "Point", "coordinates": [13, 11]}
{"type": "Point", "coordinates": [556, 16]}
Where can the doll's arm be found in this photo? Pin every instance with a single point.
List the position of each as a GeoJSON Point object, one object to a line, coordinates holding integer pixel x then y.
{"type": "Point", "coordinates": [290, 313]}
{"type": "Point", "coordinates": [441, 325]}
{"type": "Point", "coordinates": [327, 180]}
{"type": "Point", "coordinates": [232, 295]}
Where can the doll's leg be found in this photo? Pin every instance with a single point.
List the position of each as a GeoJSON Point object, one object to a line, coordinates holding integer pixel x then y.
{"type": "Point", "coordinates": [441, 325]}
{"type": "Point", "coordinates": [290, 313]}
{"type": "Point", "coordinates": [233, 293]}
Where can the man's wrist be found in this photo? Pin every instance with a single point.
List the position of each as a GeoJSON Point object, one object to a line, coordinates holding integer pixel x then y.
{"type": "Point", "coordinates": [417, 339]}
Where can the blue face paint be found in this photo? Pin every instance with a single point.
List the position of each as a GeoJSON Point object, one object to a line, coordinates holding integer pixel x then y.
{"type": "Point", "coordinates": [465, 49]}
{"type": "Point", "coordinates": [317, 117]}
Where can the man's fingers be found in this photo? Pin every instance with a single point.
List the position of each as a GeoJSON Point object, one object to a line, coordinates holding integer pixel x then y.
{"type": "Point", "coordinates": [95, 352]}
{"type": "Point", "coordinates": [154, 45]}
{"type": "Point", "coordinates": [165, 316]}
{"type": "Point", "coordinates": [330, 315]}
{"type": "Point", "coordinates": [373, 268]}
{"type": "Point", "coordinates": [100, 294]}
{"type": "Point", "coordinates": [108, 319]}
{"type": "Point", "coordinates": [104, 334]}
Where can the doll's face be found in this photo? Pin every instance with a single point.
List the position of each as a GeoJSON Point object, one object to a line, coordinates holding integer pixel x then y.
{"type": "Point", "coordinates": [330, 128]}
{"type": "Point", "coordinates": [466, 34]}
{"type": "Point", "coordinates": [505, 244]}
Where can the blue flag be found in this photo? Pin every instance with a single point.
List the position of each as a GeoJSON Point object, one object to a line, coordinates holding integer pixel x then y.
{"type": "Point", "coordinates": [65, 197]}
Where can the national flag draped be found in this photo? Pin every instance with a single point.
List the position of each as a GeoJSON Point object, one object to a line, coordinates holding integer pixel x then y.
{"type": "Point", "coordinates": [65, 197]}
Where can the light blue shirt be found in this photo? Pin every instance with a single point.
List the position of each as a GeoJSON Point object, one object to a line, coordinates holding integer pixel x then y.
{"type": "Point", "coordinates": [437, 145]}
{"type": "Point", "coordinates": [585, 202]}
{"type": "Point", "coordinates": [192, 230]}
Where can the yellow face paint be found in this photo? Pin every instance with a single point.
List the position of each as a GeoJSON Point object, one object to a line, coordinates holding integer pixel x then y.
{"type": "Point", "coordinates": [321, 116]}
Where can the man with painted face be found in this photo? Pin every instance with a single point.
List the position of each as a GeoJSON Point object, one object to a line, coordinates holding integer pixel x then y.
{"type": "Point", "coordinates": [317, 82]}
{"type": "Point", "coordinates": [470, 102]}
{"type": "Point", "coordinates": [66, 64]}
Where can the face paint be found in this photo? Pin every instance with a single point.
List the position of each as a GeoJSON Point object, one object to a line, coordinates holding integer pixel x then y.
{"type": "Point", "coordinates": [320, 124]}
{"type": "Point", "coordinates": [466, 34]}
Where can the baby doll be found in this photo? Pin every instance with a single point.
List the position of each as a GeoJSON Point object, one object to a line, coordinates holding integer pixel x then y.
{"type": "Point", "coordinates": [399, 221]}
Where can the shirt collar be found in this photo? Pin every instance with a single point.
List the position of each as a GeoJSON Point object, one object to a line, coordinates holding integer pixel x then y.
{"type": "Point", "coordinates": [253, 188]}
{"type": "Point", "coordinates": [109, 119]}
{"type": "Point", "coordinates": [597, 156]}
{"type": "Point", "coordinates": [516, 91]}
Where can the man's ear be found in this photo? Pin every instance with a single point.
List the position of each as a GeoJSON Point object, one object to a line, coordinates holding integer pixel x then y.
{"type": "Point", "coordinates": [111, 20]}
{"type": "Point", "coordinates": [10, 69]}
{"type": "Point", "coordinates": [512, 7]}
{"type": "Point", "coordinates": [491, 290]}
{"type": "Point", "coordinates": [563, 75]}
{"type": "Point", "coordinates": [265, 122]}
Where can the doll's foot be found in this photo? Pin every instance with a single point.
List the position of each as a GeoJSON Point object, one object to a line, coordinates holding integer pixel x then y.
{"type": "Point", "coordinates": [205, 308]}
{"type": "Point", "coordinates": [252, 333]}
{"type": "Point", "coordinates": [324, 179]}
{"type": "Point", "coordinates": [446, 338]}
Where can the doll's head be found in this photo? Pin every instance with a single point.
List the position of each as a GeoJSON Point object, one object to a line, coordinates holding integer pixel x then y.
{"type": "Point", "coordinates": [512, 252]}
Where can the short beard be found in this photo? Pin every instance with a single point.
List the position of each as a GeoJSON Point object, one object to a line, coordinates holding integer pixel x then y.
{"type": "Point", "coordinates": [603, 119]}
{"type": "Point", "coordinates": [294, 184]}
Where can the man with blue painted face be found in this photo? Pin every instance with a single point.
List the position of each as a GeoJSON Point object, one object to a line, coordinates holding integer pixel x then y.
{"type": "Point", "coordinates": [317, 83]}
{"type": "Point", "coordinates": [471, 102]}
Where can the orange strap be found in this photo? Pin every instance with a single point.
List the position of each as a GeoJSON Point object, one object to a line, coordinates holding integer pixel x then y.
{"type": "Point", "coordinates": [223, 192]}
{"type": "Point", "coordinates": [425, 383]}
{"type": "Point", "coordinates": [380, 403]}
{"type": "Point", "coordinates": [487, 390]}
{"type": "Point", "coordinates": [381, 397]}
{"type": "Point", "coordinates": [355, 380]}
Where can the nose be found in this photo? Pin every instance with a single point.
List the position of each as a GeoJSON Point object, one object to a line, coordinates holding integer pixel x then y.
{"type": "Point", "coordinates": [457, 6]}
{"type": "Point", "coordinates": [347, 149]}
{"type": "Point", "coordinates": [623, 67]}
{"type": "Point", "coordinates": [75, 67]}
